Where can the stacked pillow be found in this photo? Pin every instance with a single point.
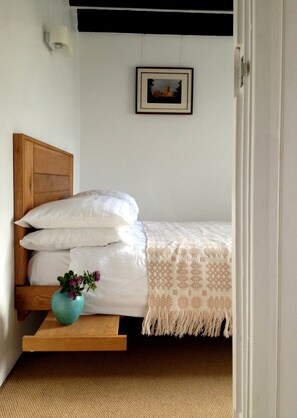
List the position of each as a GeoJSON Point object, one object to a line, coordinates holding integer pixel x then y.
{"type": "Point", "coordinates": [90, 218]}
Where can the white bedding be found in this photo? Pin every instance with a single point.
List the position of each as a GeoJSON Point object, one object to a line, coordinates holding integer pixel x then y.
{"type": "Point", "coordinates": [123, 287]}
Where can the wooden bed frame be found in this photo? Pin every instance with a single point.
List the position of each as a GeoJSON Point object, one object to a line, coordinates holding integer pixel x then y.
{"type": "Point", "coordinates": [42, 173]}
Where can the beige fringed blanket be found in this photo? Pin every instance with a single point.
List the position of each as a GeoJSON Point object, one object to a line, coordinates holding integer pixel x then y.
{"type": "Point", "coordinates": [189, 278]}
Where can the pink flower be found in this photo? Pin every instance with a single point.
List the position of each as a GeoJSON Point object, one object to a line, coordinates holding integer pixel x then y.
{"type": "Point", "coordinates": [73, 284]}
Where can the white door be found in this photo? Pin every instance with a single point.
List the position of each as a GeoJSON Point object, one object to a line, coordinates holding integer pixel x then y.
{"type": "Point", "coordinates": [264, 212]}
{"type": "Point", "coordinates": [241, 210]}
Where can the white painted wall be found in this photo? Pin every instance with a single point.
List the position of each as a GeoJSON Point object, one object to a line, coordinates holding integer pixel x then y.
{"type": "Point", "coordinates": [178, 167]}
{"type": "Point", "coordinates": [39, 98]}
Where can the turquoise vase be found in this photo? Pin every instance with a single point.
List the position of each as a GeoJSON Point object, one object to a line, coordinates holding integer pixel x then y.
{"type": "Point", "coordinates": [65, 309]}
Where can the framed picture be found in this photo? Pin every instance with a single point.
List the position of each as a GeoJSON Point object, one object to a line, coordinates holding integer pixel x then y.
{"type": "Point", "coordinates": [164, 90]}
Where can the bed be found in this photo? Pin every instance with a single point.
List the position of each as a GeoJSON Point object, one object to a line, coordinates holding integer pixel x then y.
{"type": "Point", "coordinates": [176, 276]}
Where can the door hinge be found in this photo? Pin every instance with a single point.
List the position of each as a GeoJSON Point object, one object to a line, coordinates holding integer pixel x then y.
{"type": "Point", "coordinates": [241, 69]}
{"type": "Point", "coordinates": [244, 70]}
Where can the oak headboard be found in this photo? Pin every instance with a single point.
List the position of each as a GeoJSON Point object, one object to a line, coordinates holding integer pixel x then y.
{"type": "Point", "coordinates": [42, 173]}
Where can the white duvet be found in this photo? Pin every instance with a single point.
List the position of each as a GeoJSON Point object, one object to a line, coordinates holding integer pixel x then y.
{"type": "Point", "coordinates": [123, 287]}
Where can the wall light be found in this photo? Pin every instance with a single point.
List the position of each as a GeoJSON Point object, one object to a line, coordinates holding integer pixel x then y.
{"type": "Point", "coordinates": [59, 40]}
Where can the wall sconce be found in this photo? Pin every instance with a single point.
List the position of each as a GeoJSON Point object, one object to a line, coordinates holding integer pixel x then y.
{"type": "Point", "coordinates": [59, 40]}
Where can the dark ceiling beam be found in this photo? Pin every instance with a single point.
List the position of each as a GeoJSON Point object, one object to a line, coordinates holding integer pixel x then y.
{"type": "Point", "coordinates": [211, 5]}
{"type": "Point", "coordinates": [163, 23]}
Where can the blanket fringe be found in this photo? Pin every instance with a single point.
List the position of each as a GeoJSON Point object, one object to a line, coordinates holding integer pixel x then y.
{"type": "Point", "coordinates": [160, 322]}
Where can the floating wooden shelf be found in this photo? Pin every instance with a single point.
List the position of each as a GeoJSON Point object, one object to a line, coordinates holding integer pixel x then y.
{"type": "Point", "coordinates": [89, 333]}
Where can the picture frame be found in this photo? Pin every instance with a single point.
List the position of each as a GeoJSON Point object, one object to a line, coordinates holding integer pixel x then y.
{"type": "Point", "coordinates": [164, 90]}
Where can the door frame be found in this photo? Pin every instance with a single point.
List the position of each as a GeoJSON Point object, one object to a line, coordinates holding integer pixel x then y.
{"type": "Point", "coordinates": [258, 30]}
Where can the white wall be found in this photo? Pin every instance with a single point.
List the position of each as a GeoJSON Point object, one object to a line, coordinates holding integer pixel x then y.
{"type": "Point", "coordinates": [178, 167]}
{"type": "Point", "coordinates": [39, 98]}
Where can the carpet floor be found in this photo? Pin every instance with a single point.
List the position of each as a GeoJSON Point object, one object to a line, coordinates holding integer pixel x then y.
{"type": "Point", "coordinates": [189, 377]}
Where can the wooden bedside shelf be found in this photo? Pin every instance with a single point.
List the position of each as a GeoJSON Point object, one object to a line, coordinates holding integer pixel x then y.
{"type": "Point", "coordinates": [88, 333]}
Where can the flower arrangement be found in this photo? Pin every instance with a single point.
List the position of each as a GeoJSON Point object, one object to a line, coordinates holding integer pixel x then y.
{"type": "Point", "coordinates": [74, 284]}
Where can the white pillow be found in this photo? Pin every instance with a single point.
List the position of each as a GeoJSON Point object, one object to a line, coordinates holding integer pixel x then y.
{"type": "Point", "coordinates": [86, 211]}
{"type": "Point", "coordinates": [113, 193]}
{"type": "Point", "coordinates": [67, 238]}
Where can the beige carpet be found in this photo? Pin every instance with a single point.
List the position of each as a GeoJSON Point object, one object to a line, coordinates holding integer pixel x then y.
{"type": "Point", "coordinates": [189, 377]}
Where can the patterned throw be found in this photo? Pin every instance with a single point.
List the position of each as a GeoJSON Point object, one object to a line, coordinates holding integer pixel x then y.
{"type": "Point", "coordinates": [189, 278]}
